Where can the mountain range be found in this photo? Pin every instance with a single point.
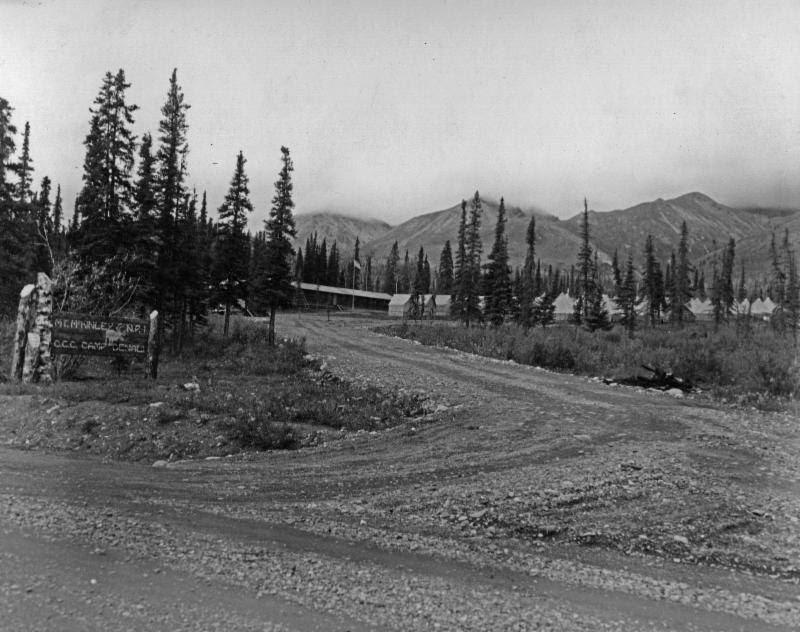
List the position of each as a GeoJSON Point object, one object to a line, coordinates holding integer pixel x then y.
{"type": "Point", "coordinates": [710, 225]}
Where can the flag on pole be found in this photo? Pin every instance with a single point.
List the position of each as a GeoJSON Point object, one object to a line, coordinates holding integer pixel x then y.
{"type": "Point", "coordinates": [356, 265]}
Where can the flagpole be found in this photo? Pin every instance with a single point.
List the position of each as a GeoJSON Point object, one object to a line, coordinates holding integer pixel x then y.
{"type": "Point", "coordinates": [354, 286]}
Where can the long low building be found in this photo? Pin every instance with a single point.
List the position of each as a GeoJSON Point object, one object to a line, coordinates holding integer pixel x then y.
{"type": "Point", "coordinates": [316, 296]}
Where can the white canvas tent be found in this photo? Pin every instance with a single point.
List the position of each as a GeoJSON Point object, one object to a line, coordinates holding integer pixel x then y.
{"type": "Point", "coordinates": [563, 307]}
{"type": "Point", "coordinates": [702, 310]}
{"type": "Point", "coordinates": [400, 305]}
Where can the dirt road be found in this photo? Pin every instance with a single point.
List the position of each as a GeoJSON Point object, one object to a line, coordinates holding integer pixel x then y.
{"type": "Point", "coordinates": [523, 500]}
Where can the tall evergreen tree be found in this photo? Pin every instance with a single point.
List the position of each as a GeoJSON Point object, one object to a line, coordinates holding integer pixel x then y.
{"type": "Point", "coordinates": [585, 274]}
{"type": "Point", "coordinates": [333, 266]}
{"type": "Point", "coordinates": [59, 245]}
{"type": "Point", "coordinates": [727, 295]}
{"type": "Point", "coordinates": [44, 256]}
{"type": "Point", "coordinates": [171, 190]}
{"type": "Point", "coordinates": [626, 297]}
{"type": "Point", "coordinates": [498, 290]}
{"type": "Point", "coordinates": [17, 224]}
{"type": "Point", "coordinates": [777, 281]}
{"type": "Point", "coordinates": [146, 236]}
{"type": "Point", "coordinates": [25, 166]}
{"type": "Point", "coordinates": [681, 273]}
{"type": "Point", "coordinates": [651, 279]}
{"type": "Point", "coordinates": [276, 280]}
{"type": "Point", "coordinates": [390, 272]}
{"type": "Point", "coordinates": [741, 292]}
{"type": "Point", "coordinates": [417, 287]}
{"type": "Point", "coordinates": [615, 271]}
{"type": "Point", "coordinates": [231, 269]}
{"type": "Point", "coordinates": [527, 286]}
{"type": "Point", "coordinates": [7, 149]}
{"type": "Point", "coordinates": [471, 278]}
{"type": "Point", "coordinates": [457, 304]}
{"type": "Point", "coordinates": [445, 280]}
{"type": "Point", "coordinates": [105, 201]}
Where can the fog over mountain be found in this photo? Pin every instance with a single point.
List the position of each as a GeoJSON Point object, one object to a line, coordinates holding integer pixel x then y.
{"type": "Point", "coordinates": [710, 226]}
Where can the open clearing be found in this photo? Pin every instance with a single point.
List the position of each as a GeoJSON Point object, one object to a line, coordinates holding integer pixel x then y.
{"type": "Point", "coordinates": [525, 500]}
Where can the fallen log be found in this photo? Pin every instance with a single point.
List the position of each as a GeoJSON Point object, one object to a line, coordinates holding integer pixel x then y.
{"type": "Point", "coordinates": [660, 380]}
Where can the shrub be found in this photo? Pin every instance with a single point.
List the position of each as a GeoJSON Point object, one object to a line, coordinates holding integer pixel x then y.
{"type": "Point", "coordinates": [762, 362]}
{"type": "Point", "coordinates": [255, 428]}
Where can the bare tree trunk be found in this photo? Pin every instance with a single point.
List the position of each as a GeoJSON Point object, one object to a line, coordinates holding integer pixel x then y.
{"type": "Point", "coordinates": [153, 345]}
{"type": "Point", "coordinates": [21, 336]}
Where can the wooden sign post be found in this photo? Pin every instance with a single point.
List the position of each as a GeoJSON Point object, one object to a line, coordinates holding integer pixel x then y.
{"type": "Point", "coordinates": [40, 334]}
{"type": "Point", "coordinates": [80, 334]}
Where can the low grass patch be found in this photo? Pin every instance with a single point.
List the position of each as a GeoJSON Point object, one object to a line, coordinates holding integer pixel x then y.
{"type": "Point", "coordinates": [216, 397]}
{"type": "Point", "coordinates": [759, 367]}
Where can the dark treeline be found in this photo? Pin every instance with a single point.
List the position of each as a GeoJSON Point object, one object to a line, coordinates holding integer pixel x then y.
{"type": "Point", "coordinates": [140, 239]}
{"type": "Point", "coordinates": [648, 294]}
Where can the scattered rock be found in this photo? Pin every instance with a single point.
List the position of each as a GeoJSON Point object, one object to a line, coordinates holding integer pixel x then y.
{"type": "Point", "coordinates": [155, 404]}
{"type": "Point", "coordinates": [681, 539]}
{"type": "Point", "coordinates": [676, 392]}
{"type": "Point", "coordinates": [193, 387]}
{"type": "Point", "coordinates": [160, 463]}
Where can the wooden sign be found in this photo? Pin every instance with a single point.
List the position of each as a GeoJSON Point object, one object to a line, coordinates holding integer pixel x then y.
{"type": "Point", "coordinates": [79, 334]}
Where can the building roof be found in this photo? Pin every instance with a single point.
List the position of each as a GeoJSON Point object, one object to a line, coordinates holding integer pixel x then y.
{"type": "Point", "coordinates": [343, 291]}
{"type": "Point", "coordinates": [399, 299]}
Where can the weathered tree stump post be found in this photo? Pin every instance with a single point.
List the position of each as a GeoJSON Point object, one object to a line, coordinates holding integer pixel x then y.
{"type": "Point", "coordinates": [37, 365]}
{"type": "Point", "coordinates": [43, 326]}
{"type": "Point", "coordinates": [26, 297]}
{"type": "Point", "coordinates": [153, 346]}
{"type": "Point", "coordinates": [30, 362]}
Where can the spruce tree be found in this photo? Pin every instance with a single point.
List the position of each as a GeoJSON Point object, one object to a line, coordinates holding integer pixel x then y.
{"type": "Point", "coordinates": [681, 273]}
{"type": "Point", "coordinates": [332, 277]}
{"type": "Point", "coordinates": [671, 287]}
{"type": "Point", "coordinates": [25, 168]}
{"type": "Point", "coordinates": [597, 317]}
{"type": "Point", "coordinates": [106, 199]}
{"type": "Point", "coordinates": [498, 289]}
{"type": "Point", "coordinates": [778, 276]}
{"type": "Point", "coordinates": [171, 190]}
{"type": "Point", "coordinates": [231, 269]}
{"type": "Point", "coordinates": [741, 292]}
{"type": "Point", "coordinates": [471, 279]}
{"type": "Point", "coordinates": [276, 279]}
{"type": "Point", "coordinates": [44, 256]}
{"type": "Point", "coordinates": [651, 280]}
{"type": "Point", "coordinates": [7, 149]}
{"type": "Point", "coordinates": [626, 297]}
{"type": "Point", "coordinates": [390, 272]}
{"type": "Point", "coordinates": [527, 286]}
{"type": "Point", "coordinates": [727, 295]}
{"type": "Point", "coordinates": [461, 267]}
{"type": "Point", "coordinates": [585, 275]}
{"type": "Point", "coordinates": [615, 271]}
{"type": "Point", "coordinates": [146, 237]}
{"type": "Point", "coordinates": [17, 225]}
{"type": "Point", "coordinates": [418, 286]}
{"type": "Point", "coordinates": [444, 284]}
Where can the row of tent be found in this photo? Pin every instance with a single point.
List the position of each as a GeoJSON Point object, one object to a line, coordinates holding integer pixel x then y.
{"type": "Point", "coordinates": [434, 306]}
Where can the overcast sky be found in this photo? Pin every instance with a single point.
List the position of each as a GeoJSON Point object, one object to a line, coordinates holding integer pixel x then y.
{"type": "Point", "coordinates": [395, 108]}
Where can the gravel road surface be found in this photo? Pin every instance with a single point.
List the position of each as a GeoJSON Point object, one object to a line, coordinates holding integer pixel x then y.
{"type": "Point", "coordinates": [521, 500]}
